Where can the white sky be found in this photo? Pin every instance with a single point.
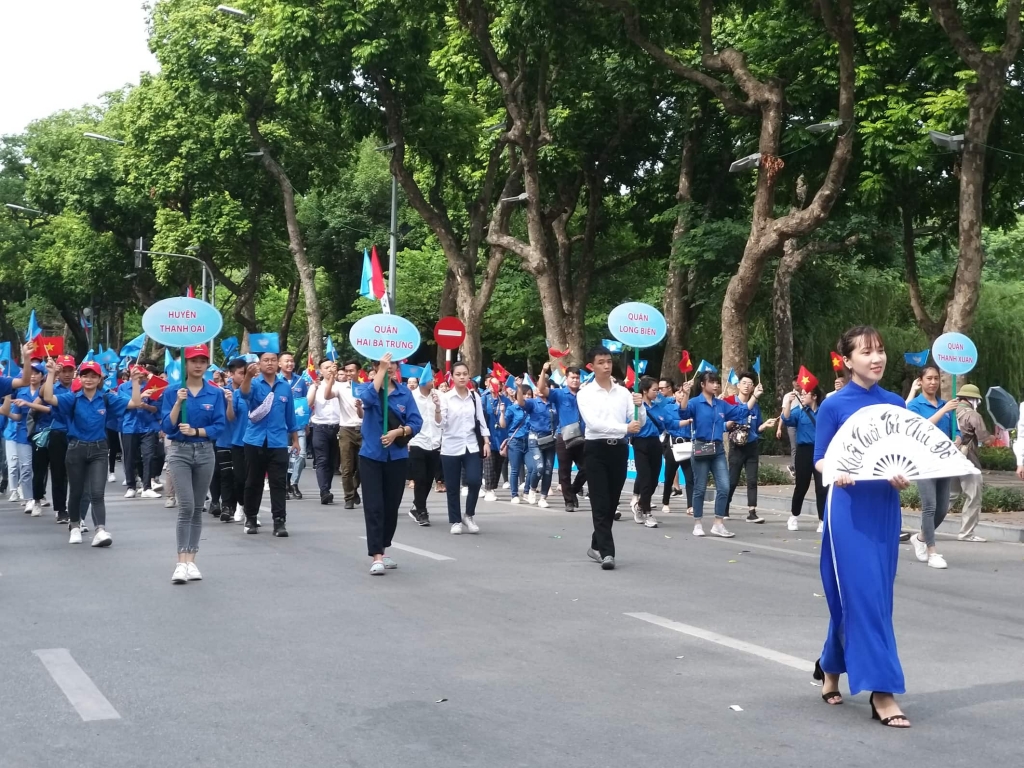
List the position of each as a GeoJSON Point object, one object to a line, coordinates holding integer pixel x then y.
{"type": "Point", "coordinates": [60, 54]}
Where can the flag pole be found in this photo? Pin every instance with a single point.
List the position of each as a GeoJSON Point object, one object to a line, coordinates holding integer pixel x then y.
{"type": "Point", "coordinates": [387, 374]}
{"type": "Point", "coordinates": [636, 380]}
{"type": "Point", "coordinates": [954, 411]}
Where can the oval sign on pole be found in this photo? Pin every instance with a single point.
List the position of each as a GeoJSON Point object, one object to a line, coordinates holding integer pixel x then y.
{"type": "Point", "coordinates": [637, 325]}
{"type": "Point", "coordinates": [376, 335]}
{"type": "Point", "coordinates": [182, 322]}
{"type": "Point", "coordinates": [955, 354]}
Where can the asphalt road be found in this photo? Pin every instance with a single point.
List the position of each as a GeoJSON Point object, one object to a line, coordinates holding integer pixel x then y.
{"type": "Point", "coordinates": [514, 650]}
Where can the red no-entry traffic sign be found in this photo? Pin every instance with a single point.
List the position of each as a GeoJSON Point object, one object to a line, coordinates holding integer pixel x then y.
{"type": "Point", "coordinates": [449, 333]}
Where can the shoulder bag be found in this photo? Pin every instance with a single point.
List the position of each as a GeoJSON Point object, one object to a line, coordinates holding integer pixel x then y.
{"type": "Point", "coordinates": [547, 441]}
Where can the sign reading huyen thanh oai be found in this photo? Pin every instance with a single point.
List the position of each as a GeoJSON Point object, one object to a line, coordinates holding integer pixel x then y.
{"type": "Point", "coordinates": [181, 322]}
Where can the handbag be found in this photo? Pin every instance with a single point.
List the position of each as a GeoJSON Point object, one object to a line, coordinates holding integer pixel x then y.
{"type": "Point", "coordinates": [395, 422]}
{"type": "Point", "coordinates": [682, 450]}
{"type": "Point", "coordinates": [547, 441]}
{"type": "Point", "coordinates": [41, 438]}
{"type": "Point", "coordinates": [504, 443]}
{"type": "Point", "coordinates": [572, 434]}
{"type": "Point", "coordinates": [703, 449]}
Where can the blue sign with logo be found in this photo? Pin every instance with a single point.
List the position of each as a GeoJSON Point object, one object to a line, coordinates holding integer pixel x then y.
{"type": "Point", "coordinates": [182, 322]}
{"type": "Point", "coordinates": [376, 335]}
{"type": "Point", "coordinates": [637, 325]}
{"type": "Point", "coordinates": [955, 354]}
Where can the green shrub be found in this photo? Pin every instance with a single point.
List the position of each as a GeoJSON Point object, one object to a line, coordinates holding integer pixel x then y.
{"type": "Point", "coordinates": [767, 474]}
{"type": "Point", "coordinates": [999, 459]}
{"type": "Point", "coordinates": [992, 500]}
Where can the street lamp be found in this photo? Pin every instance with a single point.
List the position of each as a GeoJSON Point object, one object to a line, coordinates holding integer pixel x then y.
{"type": "Point", "coordinates": [745, 163]}
{"type": "Point", "coordinates": [23, 209]}
{"type": "Point", "coordinates": [232, 11]}
{"type": "Point", "coordinates": [947, 141]}
{"type": "Point", "coordinates": [517, 199]}
{"type": "Point", "coordinates": [393, 247]}
{"type": "Point", "coordinates": [140, 251]}
{"type": "Point", "coordinates": [101, 137]}
{"type": "Point", "coordinates": [825, 127]}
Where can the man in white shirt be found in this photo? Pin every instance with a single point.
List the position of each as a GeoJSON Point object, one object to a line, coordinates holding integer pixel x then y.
{"type": "Point", "coordinates": [1018, 443]}
{"type": "Point", "coordinates": [424, 450]}
{"type": "Point", "coordinates": [610, 413]}
{"type": "Point", "coordinates": [324, 424]}
{"type": "Point", "coordinates": [350, 432]}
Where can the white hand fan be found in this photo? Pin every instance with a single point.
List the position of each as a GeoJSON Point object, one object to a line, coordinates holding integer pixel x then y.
{"type": "Point", "coordinates": [882, 441]}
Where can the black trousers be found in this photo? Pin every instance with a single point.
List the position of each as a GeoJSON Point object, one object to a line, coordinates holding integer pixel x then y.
{"type": "Point", "coordinates": [114, 449]}
{"type": "Point", "coordinates": [744, 457]}
{"type": "Point", "coordinates": [40, 470]}
{"type": "Point", "coordinates": [606, 469]}
{"type": "Point", "coordinates": [272, 464]}
{"type": "Point", "coordinates": [239, 473]}
{"type": "Point", "coordinates": [566, 458]}
{"type": "Point", "coordinates": [326, 454]}
{"type": "Point", "coordinates": [58, 472]}
{"type": "Point", "coordinates": [804, 468]}
{"type": "Point", "coordinates": [87, 481]}
{"type": "Point", "coordinates": [671, 467]}
{"type": "Point", "coordinates": [222, 485]}
{"type": "Point", "coordinates": [383, 485]}
{"type": "Point", "coordinates": [647, 458]}
{"type": "Point", "coordinates": [139, 452]}
{"type": "Point", "coordinates": [423, 468]}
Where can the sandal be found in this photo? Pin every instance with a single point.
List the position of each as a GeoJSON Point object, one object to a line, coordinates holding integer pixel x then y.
{"type": "Point", "coordinates": [891, 722]}
{"type": "Point", "coordinates": [829, 697]}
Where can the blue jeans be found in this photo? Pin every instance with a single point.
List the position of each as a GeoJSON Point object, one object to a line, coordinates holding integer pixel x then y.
{"type": "Point", "coordinates": [298, 463]}
{"type": "Point", "coordinates": [516, 457]}
{"type": "Point", "coordinates": [718, 466]}
{"type": "Point", "coordinates": [540, 463]}
{"type": "Point", "coordinates": [468, 466]}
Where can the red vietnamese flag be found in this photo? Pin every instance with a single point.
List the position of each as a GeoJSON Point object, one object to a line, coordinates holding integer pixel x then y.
{"type": "Point", "coordinates": [190, 294]}
{"type": "Point", "coordinates": [50, 346]}
{"type": "Point", "coordinates": [837, 362]}
{"type": "Point", "coordinates": [439, 378]}
{"type": "Point", "coordinates": [362, 377]}
{"type": "Point", "coordinates": [377, 275]}
{"type": "Point", "coordinates": [630, 379]}
{"type": "Point", "coordinates": [806, 380]}
{"type": "Point", "coordinates": [310, 368]}
{"type": "Point", "coordinates": [558, 353]}
{"type": "Point", "coordinates": [499, 370]}
{"type": "Point", "coordinates": [685, 364]}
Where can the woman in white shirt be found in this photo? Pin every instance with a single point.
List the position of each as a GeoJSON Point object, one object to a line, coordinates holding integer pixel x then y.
{"type": "Point", "coordinates": [464, 444]}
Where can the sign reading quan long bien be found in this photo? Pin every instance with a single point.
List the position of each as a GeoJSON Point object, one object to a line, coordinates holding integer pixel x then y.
{"type": "Point", "coordinates": [376, 335]}
{"type": "Point", "coordinates": [182, 322]}
{"type": "Point", "coordinates": [637, 325]}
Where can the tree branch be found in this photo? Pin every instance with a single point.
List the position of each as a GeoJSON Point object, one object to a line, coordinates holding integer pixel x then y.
{"type": "Point", "coordinates": [946, 14]}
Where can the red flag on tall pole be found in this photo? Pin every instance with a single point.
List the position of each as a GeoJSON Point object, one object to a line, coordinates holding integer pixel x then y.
{"type": "Point", "coordinates": [190, 293]}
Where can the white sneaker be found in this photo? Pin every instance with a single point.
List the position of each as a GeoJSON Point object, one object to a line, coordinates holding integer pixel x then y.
{"type": "Point", "coordinates": [490, 496]}
{"type": "Point", "coordinates": [456, 529]}
{"type": "Point", "coordinates": [698, 529]}
{"type": "Point", "coordinates": [76, 536]}
{"type": "Point", "coordinates": [84, 528]}
{"type": "Point", "coordinates": [464, 491]}
{"type": "Point", "coordinates": [650, 522]}
{"type": "Point", "coordinates": [258, 523]}
{"type": "Point", "coordinates": [101, 538]}
{"type": "Point", "coordinates": [638, 516]}
{"type": "Point", "coordinates": [170, 503]}
{"type": "Point", "coordinates": [21, 496]}
{"type": "Point", "coordinates": [14, 496]}
{"type": "Point", "coordinates": [266, 485]}
{"type": "Point", "coordinates": [111, 478]}
{"type": "Point", "coordinates": [506, 486]}
{"type": "Point", "coordinates": [156, 486]}
{"type": "Point", "coordinates": [634, 504]}
{"type": "Point", "coordinates": [470, 525]}
{"type": "Point", "coordinates": [37, 509]}
{"type": "Point", "coordinates": [180, 575]}
{"type": "Point", "coordinates": [150, 494]}
{"type": "Point", "coordinates": [515, 499]}
{"type": "Point", "coordinates": [821, 527]}
{"type": "Point", "coordinates": [192, 573]}
{"type": "Point", "coordinates": [543, 502]}
{"type": "Point", "coordinates": [718, 529]}
{"type": "Point", "coordinates": [124, 483]}
{"type": "Point", "coordinates": [920, 548]}
{"type": "Point", "coordinates": [532, 498]}
{"type": "Point", "coordinates": [937, 561]}
{"type": "Point", "coordinates": [665, 509]}
{"type": "Point", "coordinates": [793, 523]}
{"type": "Point", "coordinates": [239, 514]}
{"type": "Point", "coordinates": [130, 493]}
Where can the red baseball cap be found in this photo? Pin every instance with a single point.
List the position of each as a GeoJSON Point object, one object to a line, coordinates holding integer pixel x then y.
{"type": "Point", "coordinates": [199, 350]}
{"type": "Point", "coordinates": [65, 361]}
{"type": "Point", "coordinates": [91, 366]}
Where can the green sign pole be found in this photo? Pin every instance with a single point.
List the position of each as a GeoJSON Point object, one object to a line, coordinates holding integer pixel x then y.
{"type": "Point", "coordinates": [636, 380]}
{"type": "Point", "coordinates": [384, 397]}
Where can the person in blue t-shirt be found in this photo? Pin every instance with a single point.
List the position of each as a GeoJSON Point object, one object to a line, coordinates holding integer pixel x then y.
{"type": "Point", "coordinates": [240, 406]}
{"type": "Point", "coordinates": [569, 423]}
{"type": "Point", "coordinates": [222, 485]}
{"type": "Point", "coordinates": [647, 455]}
{"type": "Point", "coordinates": [934, 493]}
{"type": "Point", "coordinates": [300, 388]}
{"type": "Point", "coordinates": [540, 446]}
{"type": "Point", "coordinates": [31, 415]}
{"type": "Point", "coordinates": [677, 432]}
{"type": "Point", "coordinates": [493, 405]}
{"type": "Point", "coordinates": [745, 445]}
{"type": "Point", "coordinates": [516, 423]}
{"type": "Point", "coordinates": [138, 437]}
{"type": "Point", "coordinates": [803, 417]}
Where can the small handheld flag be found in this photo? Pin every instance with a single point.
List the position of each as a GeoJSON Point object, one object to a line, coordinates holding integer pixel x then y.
{"type": "Point", "coordinates": [172, 368]}
{"type": "Point", "coordinates": [410, 371]}
{"type": "Point", "coordinates": [917, 359]}
{"type": "Point", "coordinates": [705, 366]}
{"type": "Point", "coordinates": [837, 361]}
{"type": "Point", "coordinates": [558, 353]}
{"type": "Point", "coordinates": [685, 364]}
{"type": "Point", "coordinates": [261, 343]}
{"type": "Point", "coordinates": [806, 380]}
{"type": "Point", "coordinates": [756, 367]}
{"type": "Point", "coordinates": [733, 378]}
{"type": "Point", "coordinates": [510, 382]}
{"type": "Point", "coordinates": [500, 371]}
{"type": "Point", "coordinates": [427, 373]}
{"type": "Point", "coordinates": [329, 350]}
{"type": "Point", "coordinates": [229, 347]}
{"type": "Point", "coordinates": [34, 331]}
{"type": "Point", "coordinates": [529, 382]}
{"type": "Point", "coordinates": [612, 346]}
{"type": "Point", "coordinates": [630, 379]}
{"type": "Point", "coordinates": [134, 347]}
{"type": "Point", "coordinates": [50, 346]}
{"type": "Point", "coordinates": [641, 367]}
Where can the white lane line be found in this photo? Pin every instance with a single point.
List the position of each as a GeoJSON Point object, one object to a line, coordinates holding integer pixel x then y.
{"type": "Point", "coordinates": [83, 694]}
{"type": "Point", "coordinates": [744, 544]}
{"type": "Point", "coordinates": [417, 551]}
{"type": "Point", "coordinates": [728, 642]}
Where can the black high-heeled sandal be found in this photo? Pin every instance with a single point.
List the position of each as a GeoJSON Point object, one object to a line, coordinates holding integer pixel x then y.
{"type": "Point", "coordinates": [888, 721]}
{"type": "Point", "coordinates": [829, 697]}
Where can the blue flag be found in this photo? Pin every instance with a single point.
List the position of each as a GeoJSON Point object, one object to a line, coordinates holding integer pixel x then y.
{"type": "Point", "coordinates": [229, 347]}
{"type": "Point", "coordinates": [134, 347]}
{"type": "Point", "coordinates": [558, 377]}
{"type": "Point", "coordinates": [264, 342]}
{"type": "Point", "coordinates": [612, 346]}
{"type": "Point", "coordinates": [409, 371]}
{"type": "Point", "coordinates": [109, 357]}
{"type": "Point", "coordinates": [916, 359]}
{"type": "Point", "coordinates": [529, 382]}
{"type": "Point", "coordinates": [641, 367]}
{"type": "Point", "coordinates": [332, 355]}
{"type": "Point", "coordinates": [510, 382]}
{"type": "Point", "coordinates": [89, 357]}
{"type": "Point", "coordinates": [5, 351]}
{"type": "Point", "coordinates": [733, 378]}
{"type": "Point", "coordinates": [587, 377]}
{"type": "Point", "coordinates": [427, 374]}
{"type": "Point", "coordinates": [756, 367]}
{"type": "Point", "coordinates": [172, 368]}
{"type": "Point", "coordinates": [33, 328]}
{"type": "Point", "coordinates": [706, 366]}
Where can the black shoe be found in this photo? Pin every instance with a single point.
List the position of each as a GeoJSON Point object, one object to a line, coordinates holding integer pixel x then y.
{"type": "Point", "coordinates": [424, 520]}
{"type": "Point", "coordinates": [753, 518]}
{"type": "Point", "coordinates": [414, 515]}
{"type": "Point", "coordinates": [288, 493]}
{"type": "Point", "coordinates": [250, 525]}
{"type": "Point", "coordinates": [296, 492]}
{"type": "Point", "coordinates": [677, 491]}
{"type": "Point", "coordinates": [570, 507]}
{"type": "Point", "coordinates": [618, 515]}
{"type": "Point", "coordinates": [905, 536]}
{"type": "Point", "coordinates": [226, 517]}
{"type": "Point", "coordinates": [63, 520]}
{"type": "Point", "coordinates": [358, 499]}
{"type": "Point", "coordinates": [349, 504]}
{"type": "Point", "coordinates": [215, 510]}
{"type": "Point", "coordinates": [279, 530]}
{"type": "Point", "coordinates": [327, 498]}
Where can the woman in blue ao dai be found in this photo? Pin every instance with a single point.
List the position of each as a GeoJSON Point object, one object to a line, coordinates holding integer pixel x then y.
{"type": "Point", "coordinates": [860, 547]}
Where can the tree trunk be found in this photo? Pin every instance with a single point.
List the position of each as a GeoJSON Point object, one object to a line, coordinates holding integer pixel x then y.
{"type": "Point", "coordinates": [289, 312]}
{"type": "Point", "coordinates": [931, 328]}
{"type": "Point", "coordinates": [70, 318]}
{"type": "Point", "coordinates": [676, 298]}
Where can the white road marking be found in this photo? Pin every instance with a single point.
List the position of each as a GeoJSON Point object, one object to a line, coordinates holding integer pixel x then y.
{"type": "Point", "coordinates": [83, 694]}
{"type": "Point", "coordinates": [728, 642]}
{"type": "Point", "coordinates": [744, 544]}
{"type": "Point", "coordinates": [417, 551]}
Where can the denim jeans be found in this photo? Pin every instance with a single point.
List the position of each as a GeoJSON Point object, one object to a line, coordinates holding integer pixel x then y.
{"type": "Point", "coordinates": [934, 506]}
{"type": "Point", "coordinates": [23, 451]}
{"type": "Point", "coordinates": [718, 467]}
{"type": "Point", "coordinates": [468, 466]}
{"type": "Point", "coordinates": [540, 463]}
{"type": "Point", "coordinates": [298, 463]}
{"type": "Point", "coordinates": [192, 465]}
{"type": "Point", "coordinates": [87, 480]}
{"type": "Point", "coordinates": [516, 457]}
